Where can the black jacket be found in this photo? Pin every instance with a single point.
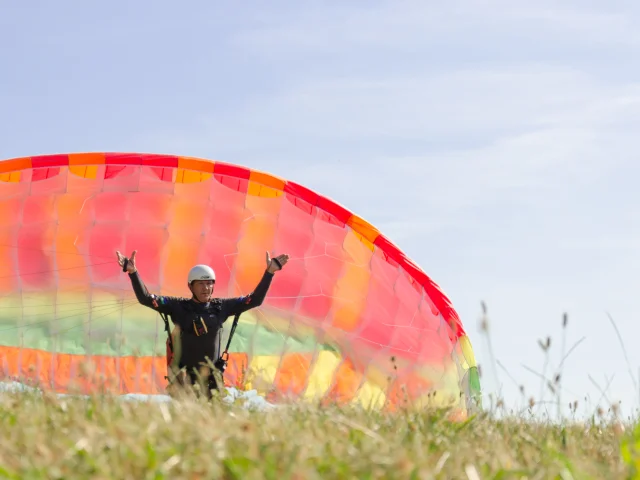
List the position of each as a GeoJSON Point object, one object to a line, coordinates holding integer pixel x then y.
{"type": "Point", "coordinates": [201, 323]}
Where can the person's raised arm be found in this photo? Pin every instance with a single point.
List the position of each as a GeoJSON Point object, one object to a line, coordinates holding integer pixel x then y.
{"type": "Point", "coordinates": [238, 305]}
{"type": "Point", "coordinates": [159, 303]}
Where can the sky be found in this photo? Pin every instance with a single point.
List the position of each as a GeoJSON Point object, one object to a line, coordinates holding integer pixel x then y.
{"type": "Point", "coordinates": [495, 142]}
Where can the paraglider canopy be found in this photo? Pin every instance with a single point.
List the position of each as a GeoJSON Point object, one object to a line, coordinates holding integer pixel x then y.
{"type": "Point", "coordinates": [352, 319]}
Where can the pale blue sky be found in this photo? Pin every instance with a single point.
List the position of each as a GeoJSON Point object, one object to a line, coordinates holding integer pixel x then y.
{"type": "Point", "coordinates": [496, 142]}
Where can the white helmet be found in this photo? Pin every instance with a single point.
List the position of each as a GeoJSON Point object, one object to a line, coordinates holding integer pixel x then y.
{"type": "Point", "coordinates": [201, 272]}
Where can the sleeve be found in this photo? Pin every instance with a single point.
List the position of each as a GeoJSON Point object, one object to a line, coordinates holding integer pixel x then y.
{"type": "Point", "coordinates": [237, 305]}
{"type": "Point", "coordinates": [159, 303]}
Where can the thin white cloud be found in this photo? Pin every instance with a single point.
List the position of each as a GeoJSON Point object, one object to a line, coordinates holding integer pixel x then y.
{"type": "Point", "coordinates": [418, 24]}
{"type": "Point", "coordinates": [530, 128]}
{"type": "Point", "coordinates": [474, 102]}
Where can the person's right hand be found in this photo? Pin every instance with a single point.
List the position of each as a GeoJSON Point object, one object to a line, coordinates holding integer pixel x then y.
{"type": "Point", "coordinates": [131, 266]}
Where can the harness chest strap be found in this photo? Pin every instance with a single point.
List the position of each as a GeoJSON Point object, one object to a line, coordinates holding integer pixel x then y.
{"type": "Point", "coordinates": [236, 318]}
{"type": "Point", "coordinates": [167, 329]}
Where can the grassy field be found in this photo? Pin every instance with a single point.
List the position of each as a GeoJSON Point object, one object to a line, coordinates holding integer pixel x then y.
{"type": "Point", "coordinates": [51, 437]}
{"type": "Point", "coordinates": [44, 436]}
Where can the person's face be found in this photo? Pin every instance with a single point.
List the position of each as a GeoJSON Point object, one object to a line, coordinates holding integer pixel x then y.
{"type": "Point", "coordinates": [202, 290]}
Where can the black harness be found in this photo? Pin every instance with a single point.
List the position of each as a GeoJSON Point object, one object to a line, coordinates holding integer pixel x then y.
{"type": "Point", "coordinates": [223, 359]}
{"type": "Point", "coordinates": [221, 362]}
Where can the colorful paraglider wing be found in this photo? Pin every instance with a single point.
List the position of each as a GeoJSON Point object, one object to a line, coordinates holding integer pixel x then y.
{"type": "Point", "coordinates": [350, 319]}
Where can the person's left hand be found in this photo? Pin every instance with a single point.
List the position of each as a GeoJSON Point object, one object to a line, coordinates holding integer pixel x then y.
{"type": "Point", "coordinates": [276, 263]}
{"type": "Point", "coordinates": [131, 261]}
